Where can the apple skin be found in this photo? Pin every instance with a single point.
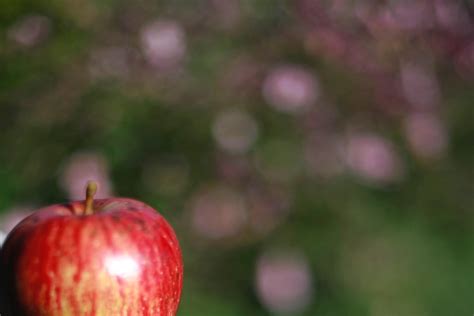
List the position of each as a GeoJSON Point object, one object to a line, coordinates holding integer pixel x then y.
{"type": "Point", "coordinates": [122, 260]}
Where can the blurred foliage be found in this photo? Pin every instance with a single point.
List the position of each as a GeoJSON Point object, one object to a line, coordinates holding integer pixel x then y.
{"type": "Point", "coordinates": [406, 248]}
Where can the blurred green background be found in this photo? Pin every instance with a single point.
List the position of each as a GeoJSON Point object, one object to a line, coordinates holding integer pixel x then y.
{"type": "Point", "coordinates": [315, 157]}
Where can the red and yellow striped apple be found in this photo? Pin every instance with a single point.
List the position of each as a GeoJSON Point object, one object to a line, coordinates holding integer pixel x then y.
{"type": "Point", "coordinates": [107, 257]}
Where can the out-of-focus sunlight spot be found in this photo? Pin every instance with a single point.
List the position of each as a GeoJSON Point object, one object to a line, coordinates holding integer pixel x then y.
{"type": "Point", "coordinates": [30, 30]}
{"type": "Point", "coordinates": [122, 266]}
{"type": "Point", "coordinates": [218, 212]}
{"type": "Point", "coordinates": [80, 168]}
{"type": "Point", "coordinates": [284, 282]}
{"type": "Point", "coordinates": [235, 131]}
{"type": "Point", "coordinates": [420, 85]}
{"type": "Point", "coordinates": [163, 43]}
{"type": "Point", "coordinates": [426, 135]}
{"type": "Point", "coordinates": [290, 88]}
{"type": "Point", "coordinates": [373, 158]}
{"type": "Point", "coordinates": [13, 216]}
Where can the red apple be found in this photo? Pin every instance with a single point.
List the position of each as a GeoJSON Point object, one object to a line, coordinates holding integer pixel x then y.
{"type": "Point", "coordinates": [106, 257]}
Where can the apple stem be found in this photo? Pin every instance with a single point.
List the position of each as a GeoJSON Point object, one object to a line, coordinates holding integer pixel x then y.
{"type": "Point", "coordinates": [91, 189]}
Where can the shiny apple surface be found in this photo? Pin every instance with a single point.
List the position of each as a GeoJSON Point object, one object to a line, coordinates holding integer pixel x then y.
{"type": "Point", "coordinates": [124, 259]}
